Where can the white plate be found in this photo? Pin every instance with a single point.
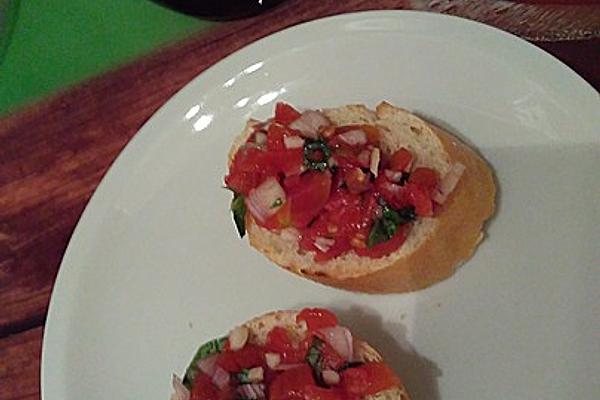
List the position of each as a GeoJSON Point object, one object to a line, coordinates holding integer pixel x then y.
{"type": "Point", "coordinates": [155, 266]}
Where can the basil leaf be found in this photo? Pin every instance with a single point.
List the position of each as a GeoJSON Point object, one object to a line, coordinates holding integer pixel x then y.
{"type": "Point", "coordinates": [238, 208]}
{"type": "Point", "coordinates": [242, 376]}
{"type": "Point", "coordinates": [206, 350]}
{"type": "Point", "coordinates": [314, 358]}
{"type": "Point", "coordinates": [350, 364]}
{"type": "Point", "coordinates": [385, 227]}
{"type": "Point", "coordinates": [316, 154]}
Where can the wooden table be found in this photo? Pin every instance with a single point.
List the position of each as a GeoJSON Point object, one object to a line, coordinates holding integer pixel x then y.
{"type": "Point", "coordinates": [53, 155]}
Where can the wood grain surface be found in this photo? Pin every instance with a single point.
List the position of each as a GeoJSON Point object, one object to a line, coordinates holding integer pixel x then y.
{"type": "Point", "coordinates": [53, 155]}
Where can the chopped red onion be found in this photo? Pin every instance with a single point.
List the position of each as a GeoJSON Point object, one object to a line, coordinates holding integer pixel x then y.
{"type": "Point", "coordinates": [181, 392]}
{"type": "Point", "coordinates": [221, 378]}
{"type": "Point", "coordinates": [448, 183]}
{"type": "Point", "coordinates": [324, 244]}
{"type": "Point", "coordinates": [208, 365]}
{"type": "Point", "coordinates": [309, 123]}
{"type": "Point", "coordinates": [293, 142]}
{"type": "Point", "coordinates": [252, 391]}
{"type": "Point", "coordinates": [375, 158]}
{"type": "Point", "coordinates": [265, 200]}
{"type": "Point", "coordinates": [340, 339]}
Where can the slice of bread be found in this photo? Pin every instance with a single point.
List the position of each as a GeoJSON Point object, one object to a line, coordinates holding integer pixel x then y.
{"type": "Point", "coordinates": [434, 248]}
{"type": "Point", "coordinates": [259, 328]}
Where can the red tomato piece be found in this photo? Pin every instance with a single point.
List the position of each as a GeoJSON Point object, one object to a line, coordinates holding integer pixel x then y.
{"type": "Point", "coordinates": [278, 341]}
{"type": "Point", "coordinates": [203, 388]}
{"type": "Point", "coordinates": [291, 384]}
{"type": "Point", "coordinates": [281, 219]}
{"type": "Point", "coordinates": [425, 177]}
{"type": "Point", "coordinates": [275, 135]}
{"type": "Point", "coordinates": [287, 161]}
{"type": "Point", "coordinates": [421, 199]}
{"type": "Point", "coordinates": [248, 357]}
{"type": "Point", "coordinates": [392, 193]}
{"type": "Point", "coordinates": [400, 159]}
{"type": "Point", "coordinates": [356, 180]}
{"type": "Point", "coordinates": [314, 392]}
{"type": "Point", "coordinates": [369, 378]}
{"type": "Point", "coordinates": [285, 114]}
{"type": "Point", "coordinates": [309, 196]}
{"type": "Point", "coordinates": [331, 359]}
{"type": "Point", "coordinates": [317, 318]}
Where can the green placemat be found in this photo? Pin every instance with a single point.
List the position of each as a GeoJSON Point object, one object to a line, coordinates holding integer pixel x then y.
{"type": "Point", "coordinates": [57, 43]}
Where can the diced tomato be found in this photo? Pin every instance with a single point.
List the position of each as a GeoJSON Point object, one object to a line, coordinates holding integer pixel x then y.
{"type": "Point", "coordinates": [425, 177]}
{"type": "Point", "coordinates": [279, 341]}
{"type": "Point", "coordinates": [281, 219]}
{"type": "Point", "coordinates": [400, 159]}
{"type": "Point", "coordinates": [299, 384]}
{"type": "Point", "coordinates": [309, 196]}
{"type": "Point", "coordinates": [285, 114]}
{"type": "Point", "coordinates": [340, 246]}
{"type": "Point", "coordinates": [392, 193]}
{"type": "Point", "coordinates": [356, 180]}
{"type": "Point", "coordinates": [369, 378]}
{"type": "Point", "coordinates": [314, 392]}
{"type": "Point", "coordinates": [243, 182]}
{"type": "Point", "coordinates": [248, 357]}
{"type": "Point", "coordinates": [291, 384]}
{"type": "Point", "coordinates": [247, 170]}
{"type": "Point", "coordinates": [317, 318]}
{"type": "Point", "coordinates": [203, 388]}
{"type": "Point", "coordinates": [275, 136]}
{"type": "Point", "coordinates": [384, 248]}
{"type": "Point", "coordinates": [288, 161]}
{"type": "Point", "coordinates": [421, 199]}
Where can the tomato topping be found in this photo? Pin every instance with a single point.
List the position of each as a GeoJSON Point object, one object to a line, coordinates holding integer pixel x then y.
{"type": "Point", "coordinates": [285, 114]}
{"type": "Point", "coordinates": [248, 357]}
{"type": "Point", "coordinates": [309, 196]}
{"type": "Point", "coordinates": [313, 392]}
{"type": "Point", "coordinates": [275, 135]}
{"type": "Point", "coordinates": [401, 159]}
{"type": "Point", "coordinates": [203, 388]}
{"type": "Point", "coordinates": [356, 180]}
{"type": "Point", "coordinates": [425, 177]}
{"type": "Point", "coordinates": [291, 384]}
{"type": "Point", "coordinates": [369, 378]}
{"type": "Point", "coordinates": [420, 198]}
{"type": "Point", "coordinates": [332, 197]}
{"type": "Point", "coordinates": [281, 219]}
{"type": "Point", "coordinates": [317, 318]}
{"type": "Point", "coordinates": [279, 341]}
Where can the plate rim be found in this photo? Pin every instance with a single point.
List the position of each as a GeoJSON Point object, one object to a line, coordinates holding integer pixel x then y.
{"type": "Point", "coordinates": [86, 225]}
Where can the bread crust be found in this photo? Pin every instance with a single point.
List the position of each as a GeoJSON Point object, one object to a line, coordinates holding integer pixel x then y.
{"type": "Point", "coordinates": [438, 246]}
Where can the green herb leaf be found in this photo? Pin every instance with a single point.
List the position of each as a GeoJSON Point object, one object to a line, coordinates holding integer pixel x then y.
{"type": "Point", "coordinates": [206, 350]}
{"type": "Point", "coordinates": [242, 376]}
{"type": "Point", "coordinates": [314, 358]}
{"type": "Point", "coordinates": [316, 154]}
{"type": "Point", "coordinates": [385, 227]}
{"type": "Point", "coordinates": [238, 208]}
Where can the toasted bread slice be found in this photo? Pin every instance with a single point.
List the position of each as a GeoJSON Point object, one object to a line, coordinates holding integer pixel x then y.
{"type": "Point", "coordinates": [434, 248]}
{"type": "Point", "coordinates": [259, 327]}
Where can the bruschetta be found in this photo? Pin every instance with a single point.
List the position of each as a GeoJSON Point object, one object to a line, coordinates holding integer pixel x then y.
{"type": "Point", "coordinates": [366, 200]}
